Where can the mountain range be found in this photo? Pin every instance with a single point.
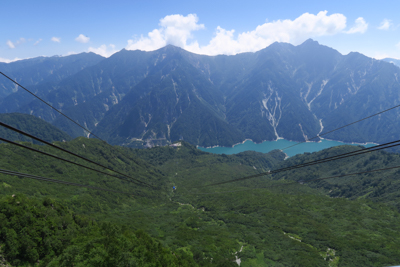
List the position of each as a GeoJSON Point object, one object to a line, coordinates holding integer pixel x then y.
{"type": "Point", "coordinates": [136, 98]}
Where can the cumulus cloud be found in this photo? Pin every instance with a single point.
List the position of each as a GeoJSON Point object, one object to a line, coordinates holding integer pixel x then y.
{"type": "Point", "coordinates": [56, 39]}
{"type": "Point", "coordinates": [82, 39]}
{"type": "Point", "coordinates": [12, 45]}
{"type": "Point", "coordinates": [360, 26]}
{"type": "Point", "coordinates": [103, 50]}
{"type": "Point", "coordinates": [37, 42]}
{"type": "Point", "coordinates": [177, 30]}
{"type": "Point", "coordinates": [174, 29]}
{"type": "Point", "coordinates": [385, 25]}
{"type": "Point", "coordinates": [290, 31]}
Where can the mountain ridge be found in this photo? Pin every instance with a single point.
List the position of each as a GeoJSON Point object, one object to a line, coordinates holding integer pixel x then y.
{"type": "Point", "coordinates": [281, 91]}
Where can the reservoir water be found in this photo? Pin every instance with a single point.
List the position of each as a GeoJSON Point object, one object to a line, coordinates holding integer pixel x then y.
{"type": "Point", "coordinates": [267, 146]}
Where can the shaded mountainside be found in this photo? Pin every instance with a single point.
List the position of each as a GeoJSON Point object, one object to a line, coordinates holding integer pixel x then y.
{"type": "Point", "coordinates": [88, 95]}
{"type": "Point", "coordinates": [40, 75]}
{"type": "Point", "coordinates": [262, 221]}
{"type": "Point", "coordinates": [174, 102]}
{"type": "Point", "coordinates": [287, 91]}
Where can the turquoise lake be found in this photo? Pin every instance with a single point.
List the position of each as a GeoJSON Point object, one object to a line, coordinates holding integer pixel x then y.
{"type": "Point", "coordinates": [267, 146]}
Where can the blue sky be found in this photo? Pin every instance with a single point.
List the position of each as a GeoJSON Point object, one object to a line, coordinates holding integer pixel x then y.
{"type": "Point", "coordinates": [46, 28]}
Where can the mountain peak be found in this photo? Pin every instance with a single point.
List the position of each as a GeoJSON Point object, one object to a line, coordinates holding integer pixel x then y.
{"type": "Point", "coordinates": [309, 42]}
{"type": "Point", "coordinates": [171, 48]}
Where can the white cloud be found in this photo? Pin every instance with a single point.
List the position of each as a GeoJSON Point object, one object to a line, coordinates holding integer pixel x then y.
{"type": "Point", "coordinates": [290, 31]}
{"type": "Point", "coordinates": [82, 39]}
{"type": "Point", "coordinates": [177, 30]}
{"type": "Point", "coordinates": [5, 60]}
{"type": "Point", "coordinates": [37, 42]}
{"type": "Point", "coordinates": [385, 25]}
{"type": "Point", "coordinates": [398, 45]}
{"type": "Point", "coordinates": [104, 50]}
{"type": "Point", "coordinates": [360, 26]}
{"type": "Point", "coordinates": [56, 39]}
{"type": "Point", "coordinates": [16, 43]}
{"type": "Point", "coordinates": [10, 44]}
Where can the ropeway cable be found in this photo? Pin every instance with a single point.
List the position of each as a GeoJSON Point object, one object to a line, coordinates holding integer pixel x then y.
{"type": "Point", "coordinates": [341, 156]}
{"type": "Point", "coordinates": [40, 178]}
{"type": "Point", "coordinates": [59, 158]}
{"type": "Point", "coordinates": [343, 175]}
{"type": "Point", "coordinates": [84, 128]}
{"type": "Point", "coordinates": [67, 151]}
{"type": "Point", "coordinates": [296, 182]}
{"type": "Point", "coordinates": [319, 135]}
{"type": "Point", "coordinates": [344, 155]}
{"type": "Point", "coordinates": [262, 174]}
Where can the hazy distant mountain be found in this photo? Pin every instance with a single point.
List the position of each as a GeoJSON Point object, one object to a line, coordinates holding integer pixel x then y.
{"type": "Point", "coordinates": [287, 91]}
{"type": "Point", "coordinates": [392, 60]}
{"type": "Point", "coordinates": [174, 101]}
{"type": "Point", "coordinates": [39, 75]}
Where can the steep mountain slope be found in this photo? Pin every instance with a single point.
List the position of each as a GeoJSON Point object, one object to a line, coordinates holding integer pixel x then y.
{"type": "Point", "coordinates": [310, 83]}
{"type": "Point", "coordinates": [359, 87]}
{"type": "Point", "coordinates": [46, 71]}
{"type": "Point", "coordinates": [282, 91]}
{"type": "Point", "coordinates": [89, 94]}
{"type": "Point", "coordinates": [174, 102]}
{"type": "Point", "coordinates": [267, 104]}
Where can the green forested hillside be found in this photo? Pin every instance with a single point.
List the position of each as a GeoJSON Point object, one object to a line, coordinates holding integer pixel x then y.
{"type": "Point", "coordinates": [31, 124]}
{"type": "Point", "coordinates": [383, 187]}
{"type": "Point", "coordinates": [261, 221]}
{"type": "Point", "coordinates": [260, 212]}
{"type": "Point", "coordinates": [45, 233]}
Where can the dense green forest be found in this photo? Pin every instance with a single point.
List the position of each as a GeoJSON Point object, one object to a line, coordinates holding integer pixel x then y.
{"type": "Point", "coordinates": [31, 124]}
{"type": "Point", "coordinates": [49, 234]}
{"type": "Point", "coordinates": [350, 221]}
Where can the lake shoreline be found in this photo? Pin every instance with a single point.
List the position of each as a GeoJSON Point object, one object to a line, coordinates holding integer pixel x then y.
{"type": "Point", "coordinates": [280, 138]}
{"type": "Point", "coordinates": [280, 144]}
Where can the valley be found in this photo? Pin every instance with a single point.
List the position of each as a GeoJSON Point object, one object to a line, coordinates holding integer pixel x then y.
{"type": "Point", "coordinates": [258, 220]}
